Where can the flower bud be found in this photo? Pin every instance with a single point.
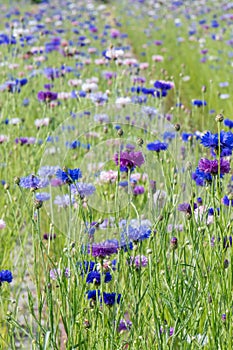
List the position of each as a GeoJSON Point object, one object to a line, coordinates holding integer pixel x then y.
{"type": "Point", "coordinates": [219, 118]}
{"type": "Point", "coordinates": [174, 242]}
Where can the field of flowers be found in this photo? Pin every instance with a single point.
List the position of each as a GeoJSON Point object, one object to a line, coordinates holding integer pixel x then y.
{"type": "Point", "coordinates": [116, 181]}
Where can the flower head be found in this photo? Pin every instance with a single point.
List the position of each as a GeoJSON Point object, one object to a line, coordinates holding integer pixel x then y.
{"type": "Point", "coordinates": [157, 146]}
{"type": "Point", "coordinates": [95, 277]}
{"type": "Point", "coordinates": [69, 175]}
{"type": "Point", "coordinates": [33, 182]}
{"type": "Point", "coordinates": [212, 166]}
{"type": "Point", "coordinates": [139, 261]}
{"type": "Point", "coordinates": [111, 298]}
{"type": "Point", "coordinates": [2, 224]}
{"type": "Point", "coordinates": [129, 160]}
{"type": "Point", "coordinates": [104, 249]}
{"type": "Point", "coordinates": [124, 325]}
{"type": "Point", "coordinates": [5, 276]}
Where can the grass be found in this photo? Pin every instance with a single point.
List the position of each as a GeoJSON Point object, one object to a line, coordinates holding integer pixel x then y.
{"type": "Point", "coordinates": [182, 297]}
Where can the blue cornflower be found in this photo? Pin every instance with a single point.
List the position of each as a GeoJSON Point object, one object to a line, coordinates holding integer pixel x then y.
{"type": "Point", "coordinates": [212, 141]}
{"type": "Point", "coordinates": [186, 136]}
{"type": "Point", "coordinates": [5, 276]}
{"type": "Point", "coordinates": [199, 103]}
{"type": "Point", "coordinates": [47, 171]}
{"type": "Point", "coordinates": [134, 234]}
{"type": "Point", "coordinates": [99, 97]}
{"type": "Point", "coordinates": [169, 135]}
{"type": "Point", "coordinates": [148, 91]}
{"type": "Point", "coordinates": [162, 85]}
{"type": "Point", "coordinates": [150, 111]}
{"type": "Point", "coordinates": [136, 89]}
{"type": "Point", "coordinates": [201, 178]}
{"type": "Point", "coordinates": [86, 266]}
{"type": "Point", "coordinates": [34, 182]}
{"type": "Point", "coordinates": [209, 140]}
{"type": "Point", "coordinates": [83, 189]}
{"type": "Point", "coordinates": [138, 99]}
{"type": "Point", "coordinates": [93, 294]}
{"type": "Point", "coordinates": [228, 123]}
{"type": "Point", "coordinates": [44, 196]}
{"type": "Point", "coordinates": [157, 146]}
{"type": "Point", "coordinates": [101, 118]}
{"type": "Point", "coordinates": [95, 277]}
{"type": "Point", "coordinates": [64, 201]}
{"type": "Point", "coordinates": [226, 201]}
{"type": "Point", "coordinates": [69, 175]}
{"type": "Point", "coordinates": [73, 145]}
{"type": "Point", "coordinates": [111, 298]}
{"type": "Point", "coordinates": [123, 183]}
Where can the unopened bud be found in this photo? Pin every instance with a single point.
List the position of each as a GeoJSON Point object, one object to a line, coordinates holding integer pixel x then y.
{"type": "Point", "coordinates": [219, 118]}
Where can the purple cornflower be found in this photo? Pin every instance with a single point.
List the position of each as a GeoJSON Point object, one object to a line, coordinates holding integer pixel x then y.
{"type": "Point", "coordinates": [49, 236]}
{"type": "Point", "coordinates": [139, 261]}
{"type": "Point", "coordinates": [124, 325]}
{"type": "Point", "coordinates": [129, 160]}
{"type": "Point", "coordinates": [33, 182]}
{"type": "Point", "coordinates": [138, 190]}
{"type": "Point", "coordinates": [57, 273]}
{"type": "Point", "coordinates": [104, 249]}
{"type": "Point", "coordinates": [47, 96]}
{"type": "Point", "coordinates": [174, 242]}
{"type": "Point", "coordinates": [171, 331]}
{"type": "Point", "coordinates": [157, 146]}
{"type": "Point", "coordinates": [25, 140]}
{"type": "Point", "coordinates": [226, 263]}
{"type": "Point", "coordinates": [5, 276]}
{"type": "Point", "coordinates": [211, 166]}
{"type": "Point", "coordinates": [186, 208]}
{"type": "Point", "coordinates": [69, 175]}
{"type": "Point", "coordinates": [224, 317]}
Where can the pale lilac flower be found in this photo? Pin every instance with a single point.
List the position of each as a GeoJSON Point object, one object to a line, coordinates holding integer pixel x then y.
{"type": "Point", "coordinates": [2, 224]}
{"type": "Point", "coordinates": [3, 138]}
{"type": "Point", "coordinates": [139, 261]}
{"type": "Point", "coordinates": [109, 176]}
{"type": "Point", "coordinates": [41, 122]}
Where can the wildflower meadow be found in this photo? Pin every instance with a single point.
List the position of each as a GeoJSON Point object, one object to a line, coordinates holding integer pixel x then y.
{"type": "Point", "coordinates": [116, 174]}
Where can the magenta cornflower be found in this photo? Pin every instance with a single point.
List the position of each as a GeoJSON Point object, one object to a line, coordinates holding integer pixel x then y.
{"type": "Point", "coordinates": [212, 166]}
{"type": "Point", "coordinates": [104, 249]}
{"type": "Point", "coordinates": [129, 160]}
